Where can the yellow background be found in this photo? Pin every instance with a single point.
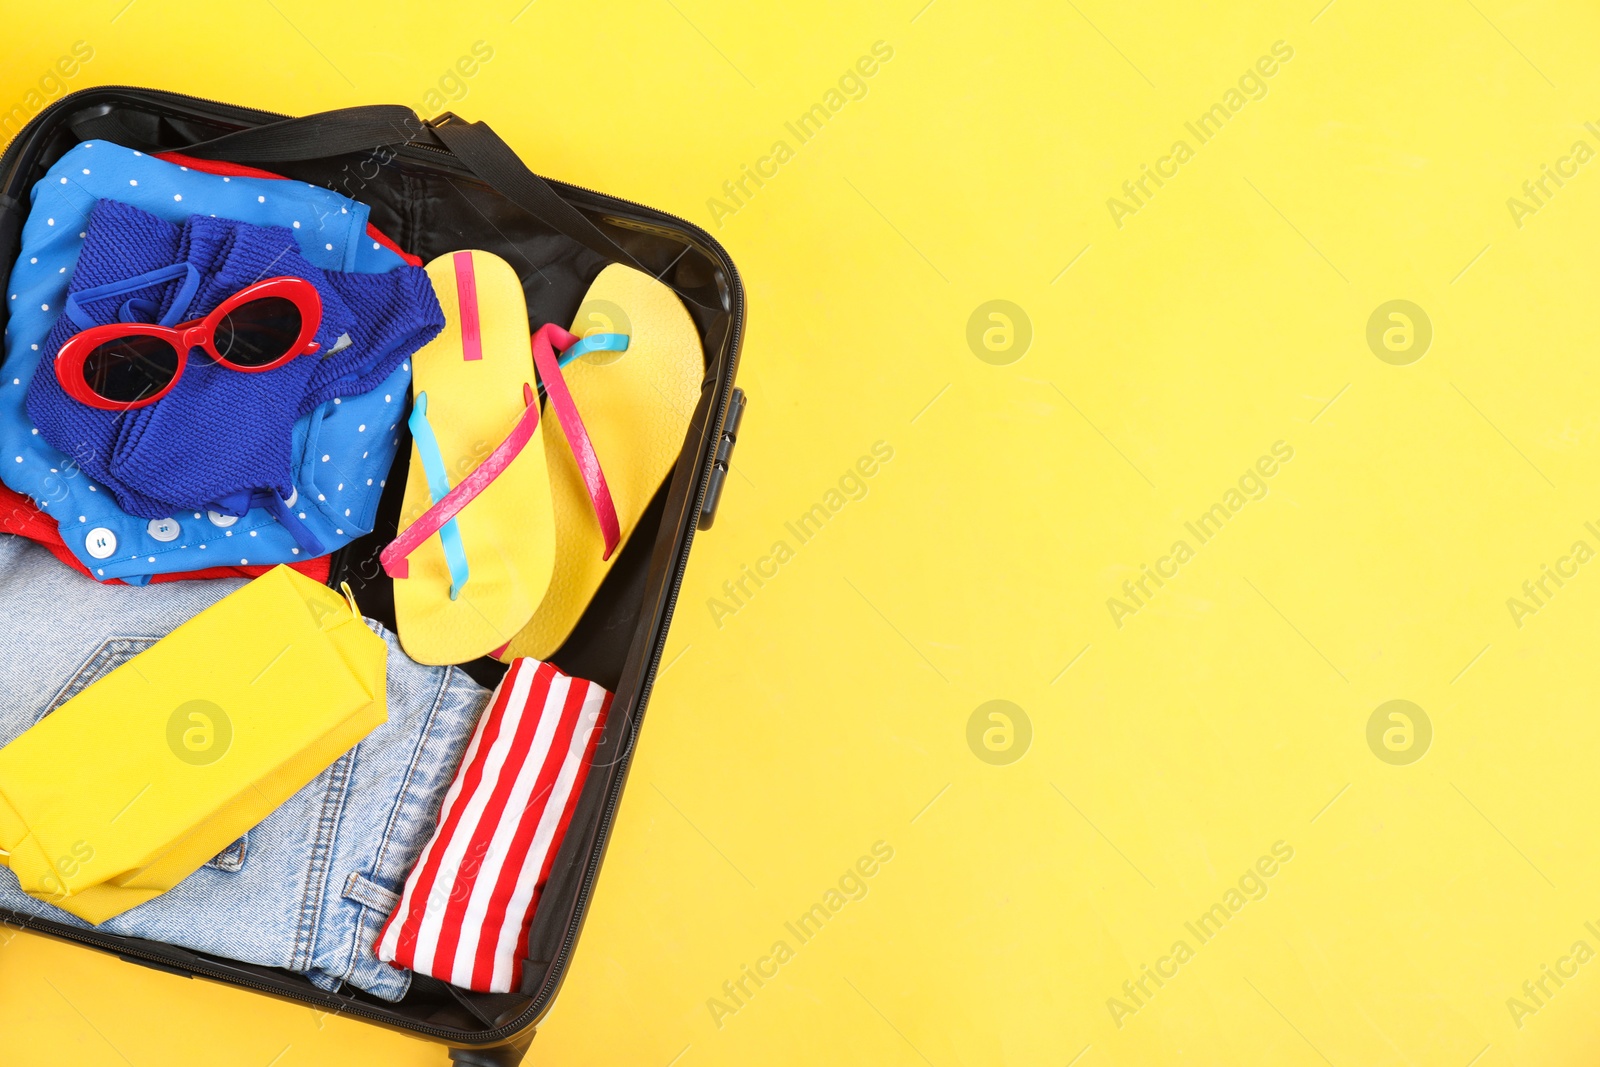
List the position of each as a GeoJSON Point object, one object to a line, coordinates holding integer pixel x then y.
{"type": "Point", "coordinates": [830, 711]}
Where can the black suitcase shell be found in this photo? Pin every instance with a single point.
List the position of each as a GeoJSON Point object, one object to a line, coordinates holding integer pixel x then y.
{"type": "Point", "coordinates": [435, 187]}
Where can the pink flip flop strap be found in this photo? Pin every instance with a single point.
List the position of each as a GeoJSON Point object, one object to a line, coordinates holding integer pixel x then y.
{"type": "Point", "coordinates": [555, 386]}
{"type": "Point", "coordinates": [393, 557]}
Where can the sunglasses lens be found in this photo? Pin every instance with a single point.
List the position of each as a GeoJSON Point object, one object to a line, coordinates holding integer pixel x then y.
{"type": "Point", "coordinates": [130, 369]}
{"type": "Point", "coordinates": [258, 333]}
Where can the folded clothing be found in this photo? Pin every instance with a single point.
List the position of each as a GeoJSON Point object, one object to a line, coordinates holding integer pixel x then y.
{"type": "Point", "coordinates": [219, 433]}
{"type": "Point", "coordinates": [468, 904]}
{"type": "Point", "coordinates": [306, 889]}
{"type": "Point", "coordinates": [19, 516]}
{"type": "Point", "coordinates": [255, 696]}
{"type": "Point", "coordinates": [342, 451]}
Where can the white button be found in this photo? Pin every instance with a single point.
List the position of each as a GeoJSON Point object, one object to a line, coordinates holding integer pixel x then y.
{"type": "Point", "coordinates": [221, 521]}
{"type": "Point", "coordinates": [294, 494]}
{"type": "Point", "coordinates": [101, 542]}
{"type": "Point", "coordinates": [163, 529]}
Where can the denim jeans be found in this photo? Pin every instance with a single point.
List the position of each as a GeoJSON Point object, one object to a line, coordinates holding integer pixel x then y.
{"type": "Point", "coordinates": [310, 887]}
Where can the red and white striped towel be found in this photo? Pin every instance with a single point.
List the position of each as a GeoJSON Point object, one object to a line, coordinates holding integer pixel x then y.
{"type": "Point", "coordinates": [468, 903]}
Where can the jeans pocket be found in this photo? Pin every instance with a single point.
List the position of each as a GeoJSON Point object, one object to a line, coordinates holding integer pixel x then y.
{"type": "Point", "coordinates": [113, 653]}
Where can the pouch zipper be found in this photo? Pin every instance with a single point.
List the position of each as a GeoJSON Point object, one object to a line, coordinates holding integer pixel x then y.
{"type": "Point", "coordinates": [541, 1001]}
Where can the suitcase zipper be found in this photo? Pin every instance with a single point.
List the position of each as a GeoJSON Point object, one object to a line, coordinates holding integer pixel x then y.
{"type": "Point", "coordinates": [542, 999]}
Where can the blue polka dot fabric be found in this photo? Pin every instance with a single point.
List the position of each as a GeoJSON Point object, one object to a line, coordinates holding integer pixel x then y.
{"type": "Point", "coordinates": [341, 451]}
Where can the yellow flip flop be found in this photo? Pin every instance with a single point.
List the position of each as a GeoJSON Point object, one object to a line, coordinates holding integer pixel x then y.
{"type": "Point", "coordinates": [477, 543]}
{"type": "Point", "coordinates": [636, 406]}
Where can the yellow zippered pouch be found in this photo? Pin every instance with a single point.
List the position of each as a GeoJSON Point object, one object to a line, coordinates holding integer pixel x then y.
{"type": "Point", "coordinates": [133, 784]}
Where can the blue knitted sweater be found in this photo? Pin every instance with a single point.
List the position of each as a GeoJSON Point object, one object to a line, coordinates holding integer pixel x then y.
{"type": "Point", "coordinates": [221, 436]}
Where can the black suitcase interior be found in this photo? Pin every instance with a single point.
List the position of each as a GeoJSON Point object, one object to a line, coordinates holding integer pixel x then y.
{"type": "Point", "coordinates": [437, 187]}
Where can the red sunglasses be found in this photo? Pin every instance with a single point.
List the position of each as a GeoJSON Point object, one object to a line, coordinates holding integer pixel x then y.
{"type": "Point", "coordinates": [131, 365]}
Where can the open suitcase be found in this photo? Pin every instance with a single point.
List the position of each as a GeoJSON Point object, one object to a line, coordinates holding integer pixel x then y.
{"type": "Point", "coordinates": [434, 187]}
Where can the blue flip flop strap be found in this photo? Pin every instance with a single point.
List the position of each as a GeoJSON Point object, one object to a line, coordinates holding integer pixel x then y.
{"type": "Point", "coordinates": [595, 342]}
{"type": "Point", "coordinates": [455, 556]}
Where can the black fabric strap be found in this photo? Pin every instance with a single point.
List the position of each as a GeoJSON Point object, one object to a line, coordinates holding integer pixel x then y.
{"type": "Point", "coordinates": [482, 151]}
{"type": "Point", "coordinates": [474, 144]}
{"type": "Point", "coordinates": [327, 133]}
